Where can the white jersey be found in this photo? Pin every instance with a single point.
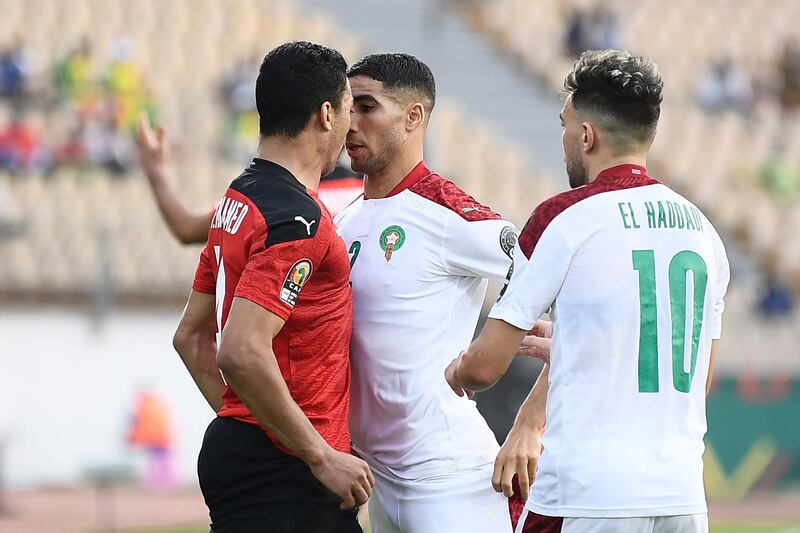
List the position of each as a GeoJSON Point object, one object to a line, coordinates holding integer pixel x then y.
{"type": "Point", "coordinates": [635, 276]}
{"type": "Point", "coordinates": [420, 259]}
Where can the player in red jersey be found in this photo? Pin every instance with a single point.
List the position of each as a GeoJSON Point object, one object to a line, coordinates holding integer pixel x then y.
{"type": "Point", "coordinates": [273, 279]}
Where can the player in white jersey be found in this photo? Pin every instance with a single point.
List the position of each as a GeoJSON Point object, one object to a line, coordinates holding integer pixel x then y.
{"type": "Point", "coordinates": [634, 277]}
{"type": "Point", "coordinates": [421, 250]}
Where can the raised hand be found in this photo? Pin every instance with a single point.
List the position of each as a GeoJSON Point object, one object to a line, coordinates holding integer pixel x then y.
{"type": "Point", "coordinates": [152, 147]}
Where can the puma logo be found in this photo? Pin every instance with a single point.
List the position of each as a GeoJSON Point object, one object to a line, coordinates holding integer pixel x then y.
{"type": "Point", "coordinates": [306, 223]}
{"type": "Point", "coordinates": [468, 209]}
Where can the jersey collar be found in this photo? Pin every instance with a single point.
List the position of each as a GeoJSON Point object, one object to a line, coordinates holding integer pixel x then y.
{"type": "Point", "coordinates": [417, 173]}
{"type": "Point", "coordinates": [624, 171]}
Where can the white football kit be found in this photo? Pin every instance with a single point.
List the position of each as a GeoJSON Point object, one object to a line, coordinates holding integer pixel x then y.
{"type": "Point", "coordinates": [420, 259]}
{"type": "Point", "coordinates": [634, 277]}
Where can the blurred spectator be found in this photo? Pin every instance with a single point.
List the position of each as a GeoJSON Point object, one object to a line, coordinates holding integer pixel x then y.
{"type": "Point", "coordinates": [74, 76]}
{"type": "Point", "coordinates": [239, 101]}
{"type": "Point", "coordinates": [781, 176]}
{"type": "Point", "coordinates": [790, 75]}
{"type": "Point", "coordinates": [575, 38]}
{"type": "Point", "coordinates": [21, 148]}
{"type": "Point", "coordinates": [20, 76]}
{"type": "Point", "coordinates": [108, 145]}
{"type": "Point", "coordinates": [726, 87]}
{"type": "Point", "coordinates": [12, 75]}
{"type": "Point", "coordinates": [591, 30]}
{"type": "Point", "coordinates": [152, 432]}
{"type": "Point", "coordinates": [123, 82]}
{"type": "Point", "coordinates": [777, 298]}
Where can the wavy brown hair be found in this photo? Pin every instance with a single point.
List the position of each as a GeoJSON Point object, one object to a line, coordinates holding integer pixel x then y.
{"type": "Point", "coordinates": [620, 90]}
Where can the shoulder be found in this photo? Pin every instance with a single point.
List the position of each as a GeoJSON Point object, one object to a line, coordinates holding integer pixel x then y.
{"type": "Point", "coordinates": [290, 213]}
{"type": "Point", "coordinates": [547, 211]}
{"type": "Point", "coordinates": [450, 196]}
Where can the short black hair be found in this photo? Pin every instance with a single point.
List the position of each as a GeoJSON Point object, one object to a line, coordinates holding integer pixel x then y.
{"type": "Point", "coordinates": [293, 82]}
{"type": "Point", "coordinates": [623, 90]}
{"type": "Point", "coordinates": [399, 72]}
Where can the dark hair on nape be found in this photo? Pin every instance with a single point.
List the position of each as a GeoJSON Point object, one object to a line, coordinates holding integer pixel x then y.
{"type": "Point", "coordinates": [621, 89]}
{"type": "Point", "coordinates": [399, 72]}
{"type": "Point", "coordinates": [294, 80]}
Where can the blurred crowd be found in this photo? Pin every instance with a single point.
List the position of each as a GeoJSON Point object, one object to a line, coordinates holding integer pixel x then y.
{"type": "Point", "coordinates": [722, 85]}
{"type": "Point", "coordinates": [70, 113]}
{"type": "Point", "coordinates": [238, 99]}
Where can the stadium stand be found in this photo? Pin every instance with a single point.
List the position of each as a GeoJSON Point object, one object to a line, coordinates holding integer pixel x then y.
{"type": "Point", "coordinates": [716, 160]}
{"type": "Point", "coordinates": [86, 230]}
{"type": "Point", "coordinates": [720, 160]}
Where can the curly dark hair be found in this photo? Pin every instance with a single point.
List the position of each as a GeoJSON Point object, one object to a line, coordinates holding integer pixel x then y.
{"type": "Point", "coordinates": [621, 90]}
{"type": "Point", "coordinates": [399, 72]}
{"type": "Point", "coordinates": [293, 82]}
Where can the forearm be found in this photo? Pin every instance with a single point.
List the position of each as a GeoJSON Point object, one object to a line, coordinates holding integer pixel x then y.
{"type": "Point", "coordinates": [476, 371]}
{"type": "Point", "coordinates": [489, 356]}
{"type": "Point", "coordinates": [532, 413]}
{"type": "Point", "coordinates": [198, 352]}
{"type": "Point", "coordinates": [186, 226]}
{"type": "Point", "coordinates": [258, 382]}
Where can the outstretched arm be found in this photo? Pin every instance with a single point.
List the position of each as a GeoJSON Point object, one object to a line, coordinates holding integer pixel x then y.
{"type": "Point", "coordinates": [486, 359]}
{"type": "Point", "coordinates": [187, 226]}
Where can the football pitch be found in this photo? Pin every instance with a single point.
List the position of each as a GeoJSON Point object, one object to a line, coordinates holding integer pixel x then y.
{"type": "Point", "coordinates": [750, 527]}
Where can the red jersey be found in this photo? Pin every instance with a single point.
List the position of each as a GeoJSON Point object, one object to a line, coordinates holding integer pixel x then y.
{"type": "Point", "coordinates": [340, 188]}
{"type": "Point", "coordinates": [273, 242]}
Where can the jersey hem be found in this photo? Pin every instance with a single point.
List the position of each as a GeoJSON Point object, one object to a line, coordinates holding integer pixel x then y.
{"type": "Point", "coordinates": [273, 308]}
{"type": "Point", "coordinates": [577, 512]}
{"type": "Point", "coordinates": [417, 473]}
{"type": "Point", "coordinates": [204, 289]}
{"type": "Point", "coordinates": [520, 324]}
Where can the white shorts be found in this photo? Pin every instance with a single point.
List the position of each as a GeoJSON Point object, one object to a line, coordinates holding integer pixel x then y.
{"type": "Point", "coordinates": [690, 523]}
{"type": "Point", "coordinates": [462, 502]}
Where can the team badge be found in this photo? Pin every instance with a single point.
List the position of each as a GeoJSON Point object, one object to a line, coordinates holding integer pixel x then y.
{"type": "Point", "coordinates": [295, 279]}
{"type": "Point", "coordinates": [508, 239]}
{"type": "Point", "coordinates": [392, 239]}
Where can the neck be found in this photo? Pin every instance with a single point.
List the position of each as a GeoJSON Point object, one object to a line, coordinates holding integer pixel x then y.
{"type": "Point", "coordinates": [596, 168]}
{"type": "Point", "coordinates": [380, 183]}
{"type": "Point", "coordinates": [295, 155]}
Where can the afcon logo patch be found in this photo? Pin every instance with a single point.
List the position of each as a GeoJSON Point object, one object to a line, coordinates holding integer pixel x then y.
{"type": "Point", "coordinates": [391, 240]}
{"type": "Point", "coordinates": [295, 279]}
{"type": "Point", "coordinates": [508, 239]}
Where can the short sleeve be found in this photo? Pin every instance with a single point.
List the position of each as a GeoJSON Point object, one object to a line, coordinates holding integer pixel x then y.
{"type": "Point", "coordinates": [480, 248]}
{"type": "Point", "coordinates": [204, 274]}
{"type": "Point", "coordinates": [274, 276]}
{"type": "Point", "coordinates": [720, 289]}
{"type": "Point", "coordinates": [534, 282]}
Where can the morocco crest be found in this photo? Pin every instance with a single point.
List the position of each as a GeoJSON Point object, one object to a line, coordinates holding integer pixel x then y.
{"type": "Point", "coordinates": [391, 240]}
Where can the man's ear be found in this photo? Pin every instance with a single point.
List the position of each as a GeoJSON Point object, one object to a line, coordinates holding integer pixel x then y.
{"type": "Point", "coordinates": [589, 138]}
{"type": "Point", "coordinates": [326, 116]}
{"type": "Point", "coordinates": [415, 116]}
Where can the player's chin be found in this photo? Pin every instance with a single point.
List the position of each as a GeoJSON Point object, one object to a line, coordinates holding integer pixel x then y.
{"type": "Point", "coordinates": [328, 169]}
{"type": "Point", "coordinates": [358, 165]}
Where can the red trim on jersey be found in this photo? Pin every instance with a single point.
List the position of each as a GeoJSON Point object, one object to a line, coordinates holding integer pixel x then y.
{"type": "Point", "coordinates": [417, 173]}
{"type": "Point", "coordinates": [515, 504]}
{"type": "Point", "coordinates": [612, 179]}
{"type": "Point", "coordinates": [447, 194]}
{"type": "Point", "coordinates": [537, 523]}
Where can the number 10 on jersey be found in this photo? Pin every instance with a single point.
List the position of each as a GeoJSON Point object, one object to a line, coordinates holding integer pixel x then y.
{"type": "Point", "coordinates": [682, 263]}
